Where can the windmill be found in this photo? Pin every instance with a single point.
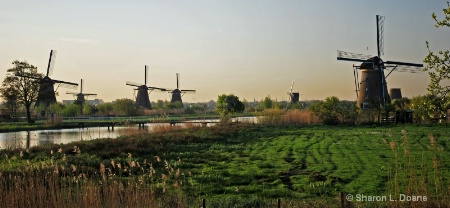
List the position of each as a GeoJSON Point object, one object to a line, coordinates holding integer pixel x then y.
{"type": "Point", "coordinates": [177, 93]}
{"type": "Point", "coordinates": [81, 96]}
{"type": "Point", "coordinates": [294, 97]}
{"type": "Point", "coordinates": [372, 90]}
{"type": "Point", "coordinates": [46, 94]}
{"type": "Point", "coordinates": [142, 99]}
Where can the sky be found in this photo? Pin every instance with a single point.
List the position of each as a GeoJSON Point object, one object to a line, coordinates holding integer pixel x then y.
{"type": "Point", "coordinates": [252, 48]}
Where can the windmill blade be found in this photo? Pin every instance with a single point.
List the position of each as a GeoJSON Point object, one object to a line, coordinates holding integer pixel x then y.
{"type": "Point", "coordinates": [51, 62]}
{"type": "Point", "coordinates": [167, 90]}
{"type": "Point", "coordinates": [348, 56]}
{"type": "Point", "coordinates": [81, 87]}
{"type": "Point", "coordinates": [72, 93]}
{"type": "Point", "coordinates": [89, 94]}
{"type": "Point", "coordinates": [64, 84]}
{"type": "Point", "coordinates": [178, 86]}
{"type": "Point", "coordinates": [403, 63]}
{"type": "Point", "coordinates": [404, 68]}
{"type": "Point", "coordinates": [292, 86]}
{"type": "Point", "coordinates": [188, 91]}
{"type": "Point", "coordinates": [133, 84]}
{"type": "Point", "coordinates": [380, 35]}
{"type": "Point", "coordinates": [157, 88]}
{"type": "Point", "coordinates": [146, 75]}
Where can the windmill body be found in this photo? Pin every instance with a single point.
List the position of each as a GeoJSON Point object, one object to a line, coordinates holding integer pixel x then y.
{"type": "Point", "coordinates": [176, 96]}
{"type": "Point", "coordinates": [372, 90]}
{"type": "Point", "coordinates": [46, 94]}
{"type": "Point", "coordinates": [142, 98]}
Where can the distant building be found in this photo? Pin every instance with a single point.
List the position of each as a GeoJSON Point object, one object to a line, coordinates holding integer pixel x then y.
{"type": "Point", "coordinates": [90, 102]}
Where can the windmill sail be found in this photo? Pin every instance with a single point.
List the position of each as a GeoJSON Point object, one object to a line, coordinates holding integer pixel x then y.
{"type": "Point", "coordinates": [51, 62]}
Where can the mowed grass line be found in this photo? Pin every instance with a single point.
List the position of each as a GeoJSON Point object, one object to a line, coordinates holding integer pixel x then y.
{"type": "Point", "coordinates": [304, 162]}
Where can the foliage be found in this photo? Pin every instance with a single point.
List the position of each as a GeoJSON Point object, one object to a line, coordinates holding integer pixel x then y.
{"type": "Point", "coordinates": [87, 109]}
{"type": "Point", "coordinates": [175, 105]}
{"type": "Point", "coordinates": [105, 108]}
{"type": "Point", "coordinates": [159, 104]}
{"type": "Point", "coordinates": [25, 87]}
{"type": "Point", "coordinates": [126, 107]}
{"type": "Point", "coordinates": [438, 67]}
{"type": "Point", "coordinates": [266, 103]}
{"type": "Point", "coordinates": [71, 110]}
{"type": "Point", "coordinates": [228, 104]}
{"type": "Point", "coordinates": [56, 108]}
{"type": "Point", "coordinates": [333, 111]}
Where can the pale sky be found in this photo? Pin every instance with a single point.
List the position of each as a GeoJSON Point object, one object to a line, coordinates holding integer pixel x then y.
{"type": "Point", "coordinates": [250, 48]}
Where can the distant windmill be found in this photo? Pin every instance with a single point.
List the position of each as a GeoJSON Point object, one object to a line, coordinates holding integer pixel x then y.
{"type": "Point", "coordinates": [81, 96]}
{"type": "Point", "coordinates": [142, 99]}
{"type": "Point", "coordinates": [46, 94]}
{"type": "Point", "coordinates": [372, 90]}
{"type": "Point", "coordinates": [177, 93]}
{"type": "Point", "coordinates": [294, 97]}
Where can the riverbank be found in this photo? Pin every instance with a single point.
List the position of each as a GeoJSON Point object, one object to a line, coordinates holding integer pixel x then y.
{"type": "Point", "coordinates": [86, 122]}
{"type": "Point", "coordinates": [255, 163]}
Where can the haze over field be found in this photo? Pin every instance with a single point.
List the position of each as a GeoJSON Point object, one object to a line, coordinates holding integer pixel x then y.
{"type": "Point", "coordinates": [249, 48]}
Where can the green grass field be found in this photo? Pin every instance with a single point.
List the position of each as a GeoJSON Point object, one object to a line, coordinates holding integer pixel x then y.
{"type": "Point", "coordinates": [255, 162]}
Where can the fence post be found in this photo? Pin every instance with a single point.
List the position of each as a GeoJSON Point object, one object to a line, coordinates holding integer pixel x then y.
{"type": "Point", "coordinates": [279, 203]}
{"type": "Point", "coordinates": [342, 200]}
{"type": "Point", "coordinates": [203, 203]}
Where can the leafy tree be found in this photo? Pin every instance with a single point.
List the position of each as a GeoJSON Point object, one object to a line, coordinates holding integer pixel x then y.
{"type": "Point", "coordinates": [56, 108]}
{"type": "Point", "coordinates": [25, 87]}
{"type": "Point", "coordinates": [87, 109]}
{"type": "Point", "coordinates": [71, 110]}
{"type": "Point", "coordinates": [105, 108]}
{"type": "Point", "coordinates": [126, 106]}
{"type": "Point", "coordinates": [266, 103]}
{"type": "Point", "coordinates": [159, 104]}
{"type": "Point", "coordinates": [438, 67]}
{"type": "Point", "coordinates": [422, 107]}
{"type": "Point", "coordinates": [333, 111]}
{"type": "Point", "coordinates": [175, 105]}
{"type": "Point", "coordinates": [227, 104]}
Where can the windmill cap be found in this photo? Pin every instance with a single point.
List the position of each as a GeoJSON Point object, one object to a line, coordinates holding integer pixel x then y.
{"type": "Point", "coordinates": [371, 62]}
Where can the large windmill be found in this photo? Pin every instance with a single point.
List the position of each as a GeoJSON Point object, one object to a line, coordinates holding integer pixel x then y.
{"type": "Point", "coordinates": [372, 90]}
{"type": "Point", "coordinates": [177, 93]}
{"type": "Point", "coordinates": [46, 94]}
{"type": "Point", "coordinates": [142, 99]}
{"type": "Point", "coordinates": [294, 97]}
{"type": "Point", "coordinates": [81, 97]}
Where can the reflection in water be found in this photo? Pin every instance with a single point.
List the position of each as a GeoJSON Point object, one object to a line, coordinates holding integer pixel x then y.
{"type": "Point", "coordinates": [27, 139]}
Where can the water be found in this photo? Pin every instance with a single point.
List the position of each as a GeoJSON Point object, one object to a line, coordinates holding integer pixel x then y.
{"type": "Point", "coordinates": [26, 139]}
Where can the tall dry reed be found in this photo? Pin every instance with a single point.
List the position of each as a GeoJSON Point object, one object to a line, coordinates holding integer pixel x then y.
{"type": "Point", "coordinates": [300, 117]}
{"type": "Point", "coordinates": [420, 176]}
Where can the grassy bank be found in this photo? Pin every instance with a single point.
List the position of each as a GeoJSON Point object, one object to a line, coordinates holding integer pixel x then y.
{"type": "Point", "coordinates": [244, 165]}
